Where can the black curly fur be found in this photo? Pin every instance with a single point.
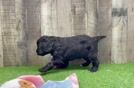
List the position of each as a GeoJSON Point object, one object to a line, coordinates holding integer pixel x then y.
{"type": "Point", "coordinates": [65, 49]}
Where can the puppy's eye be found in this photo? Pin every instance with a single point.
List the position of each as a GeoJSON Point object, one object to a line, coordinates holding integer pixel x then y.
{"type": "Point", "coordinates": [44, 40]}
{"type": "Point", "coordinates": [83, 42]}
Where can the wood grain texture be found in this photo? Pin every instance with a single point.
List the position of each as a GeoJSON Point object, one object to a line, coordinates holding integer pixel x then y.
{"type": "Point", "coordinates": [78, 11]}
{"type": "Point", "coordinates": [54, 19]}
{"type": "Point", "coordinates": [46, 16]}
{"type": "Point", "coordinates": [119, 31]}
{"type": "Point", "coordinates": [104, 27]}
{"type": "Point", "coordinates": [64, 18]}
{"type": "Point", "coordinates": [1, 42]}
{"type": "Point", "coordinates": [130, 37]}
{"type": "Point", "coordinates": [21, 34]}
{"type": "Point", "coordinates": [91, 17]}
{"type": "Point", "coordinates": [10, 33]}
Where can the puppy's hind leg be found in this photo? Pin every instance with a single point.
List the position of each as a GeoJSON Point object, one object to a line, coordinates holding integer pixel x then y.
{"type": "Point", "coordinates": [95, 64]}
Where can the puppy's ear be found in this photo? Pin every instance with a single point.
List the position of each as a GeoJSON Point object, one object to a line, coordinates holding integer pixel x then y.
{"type": "Point", "coordinates": [42, 38]}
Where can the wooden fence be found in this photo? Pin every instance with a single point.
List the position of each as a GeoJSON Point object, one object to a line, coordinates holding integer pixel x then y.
{"type": "Point", "coordinates": [22, 22]}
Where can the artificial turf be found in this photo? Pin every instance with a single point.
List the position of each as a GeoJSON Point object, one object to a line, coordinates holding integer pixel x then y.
{"type": "Point", "coordinates": [108, 75]}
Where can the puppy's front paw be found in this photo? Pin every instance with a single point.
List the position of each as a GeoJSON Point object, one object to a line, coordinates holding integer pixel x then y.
{"type": "Point", "coordinates": [93, 69]}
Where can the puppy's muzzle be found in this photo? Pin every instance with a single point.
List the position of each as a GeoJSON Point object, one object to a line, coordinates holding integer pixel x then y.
{"type": "Point", "coordinates": [39, 52]}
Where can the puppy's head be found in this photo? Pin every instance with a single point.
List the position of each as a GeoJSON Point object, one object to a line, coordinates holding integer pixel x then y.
{"type": "Point", "coordinates": [44, 45]}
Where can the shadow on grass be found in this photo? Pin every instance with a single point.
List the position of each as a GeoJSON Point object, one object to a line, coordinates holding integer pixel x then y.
{"type": "Point", "coordinates": [70, 68]}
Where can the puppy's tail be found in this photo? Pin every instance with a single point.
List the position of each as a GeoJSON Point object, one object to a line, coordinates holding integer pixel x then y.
{"type": "Point", "coordinates": [97, 38]}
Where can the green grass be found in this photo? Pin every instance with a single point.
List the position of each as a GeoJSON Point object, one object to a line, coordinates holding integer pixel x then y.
{"type": "Point", "coordinates": [108, 75]}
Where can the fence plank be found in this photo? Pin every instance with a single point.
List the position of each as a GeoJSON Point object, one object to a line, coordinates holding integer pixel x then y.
{"type": "Point", "coordinates": [91, 17]}
{"type": "Point", "coordinates": [64, 18]}
{"type": "Point", "coordinates": [10, 33]}
{"type": "Point", "coordinates": [119, 31]}
{"type": "Point", "coordinates": [46, 16]}
{"type": "Point", "coordinates": [1, 43]}
{"type": "Point", "coordinates": [104, 27]}
{"type": "Point", "coordinates": [21, 34]}
{"type": "Point", "coordinates": [130, 38]}
{"type": "Point", "coordinates": [54, 19]}
{"type": "Point", "coordinates": [33, 10]}
{"type": "Point", "coordinates": [78, 11]}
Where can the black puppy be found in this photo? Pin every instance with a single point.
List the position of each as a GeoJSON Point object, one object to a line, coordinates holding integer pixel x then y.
{"type": "Point", "coordinates": [65, 49]}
